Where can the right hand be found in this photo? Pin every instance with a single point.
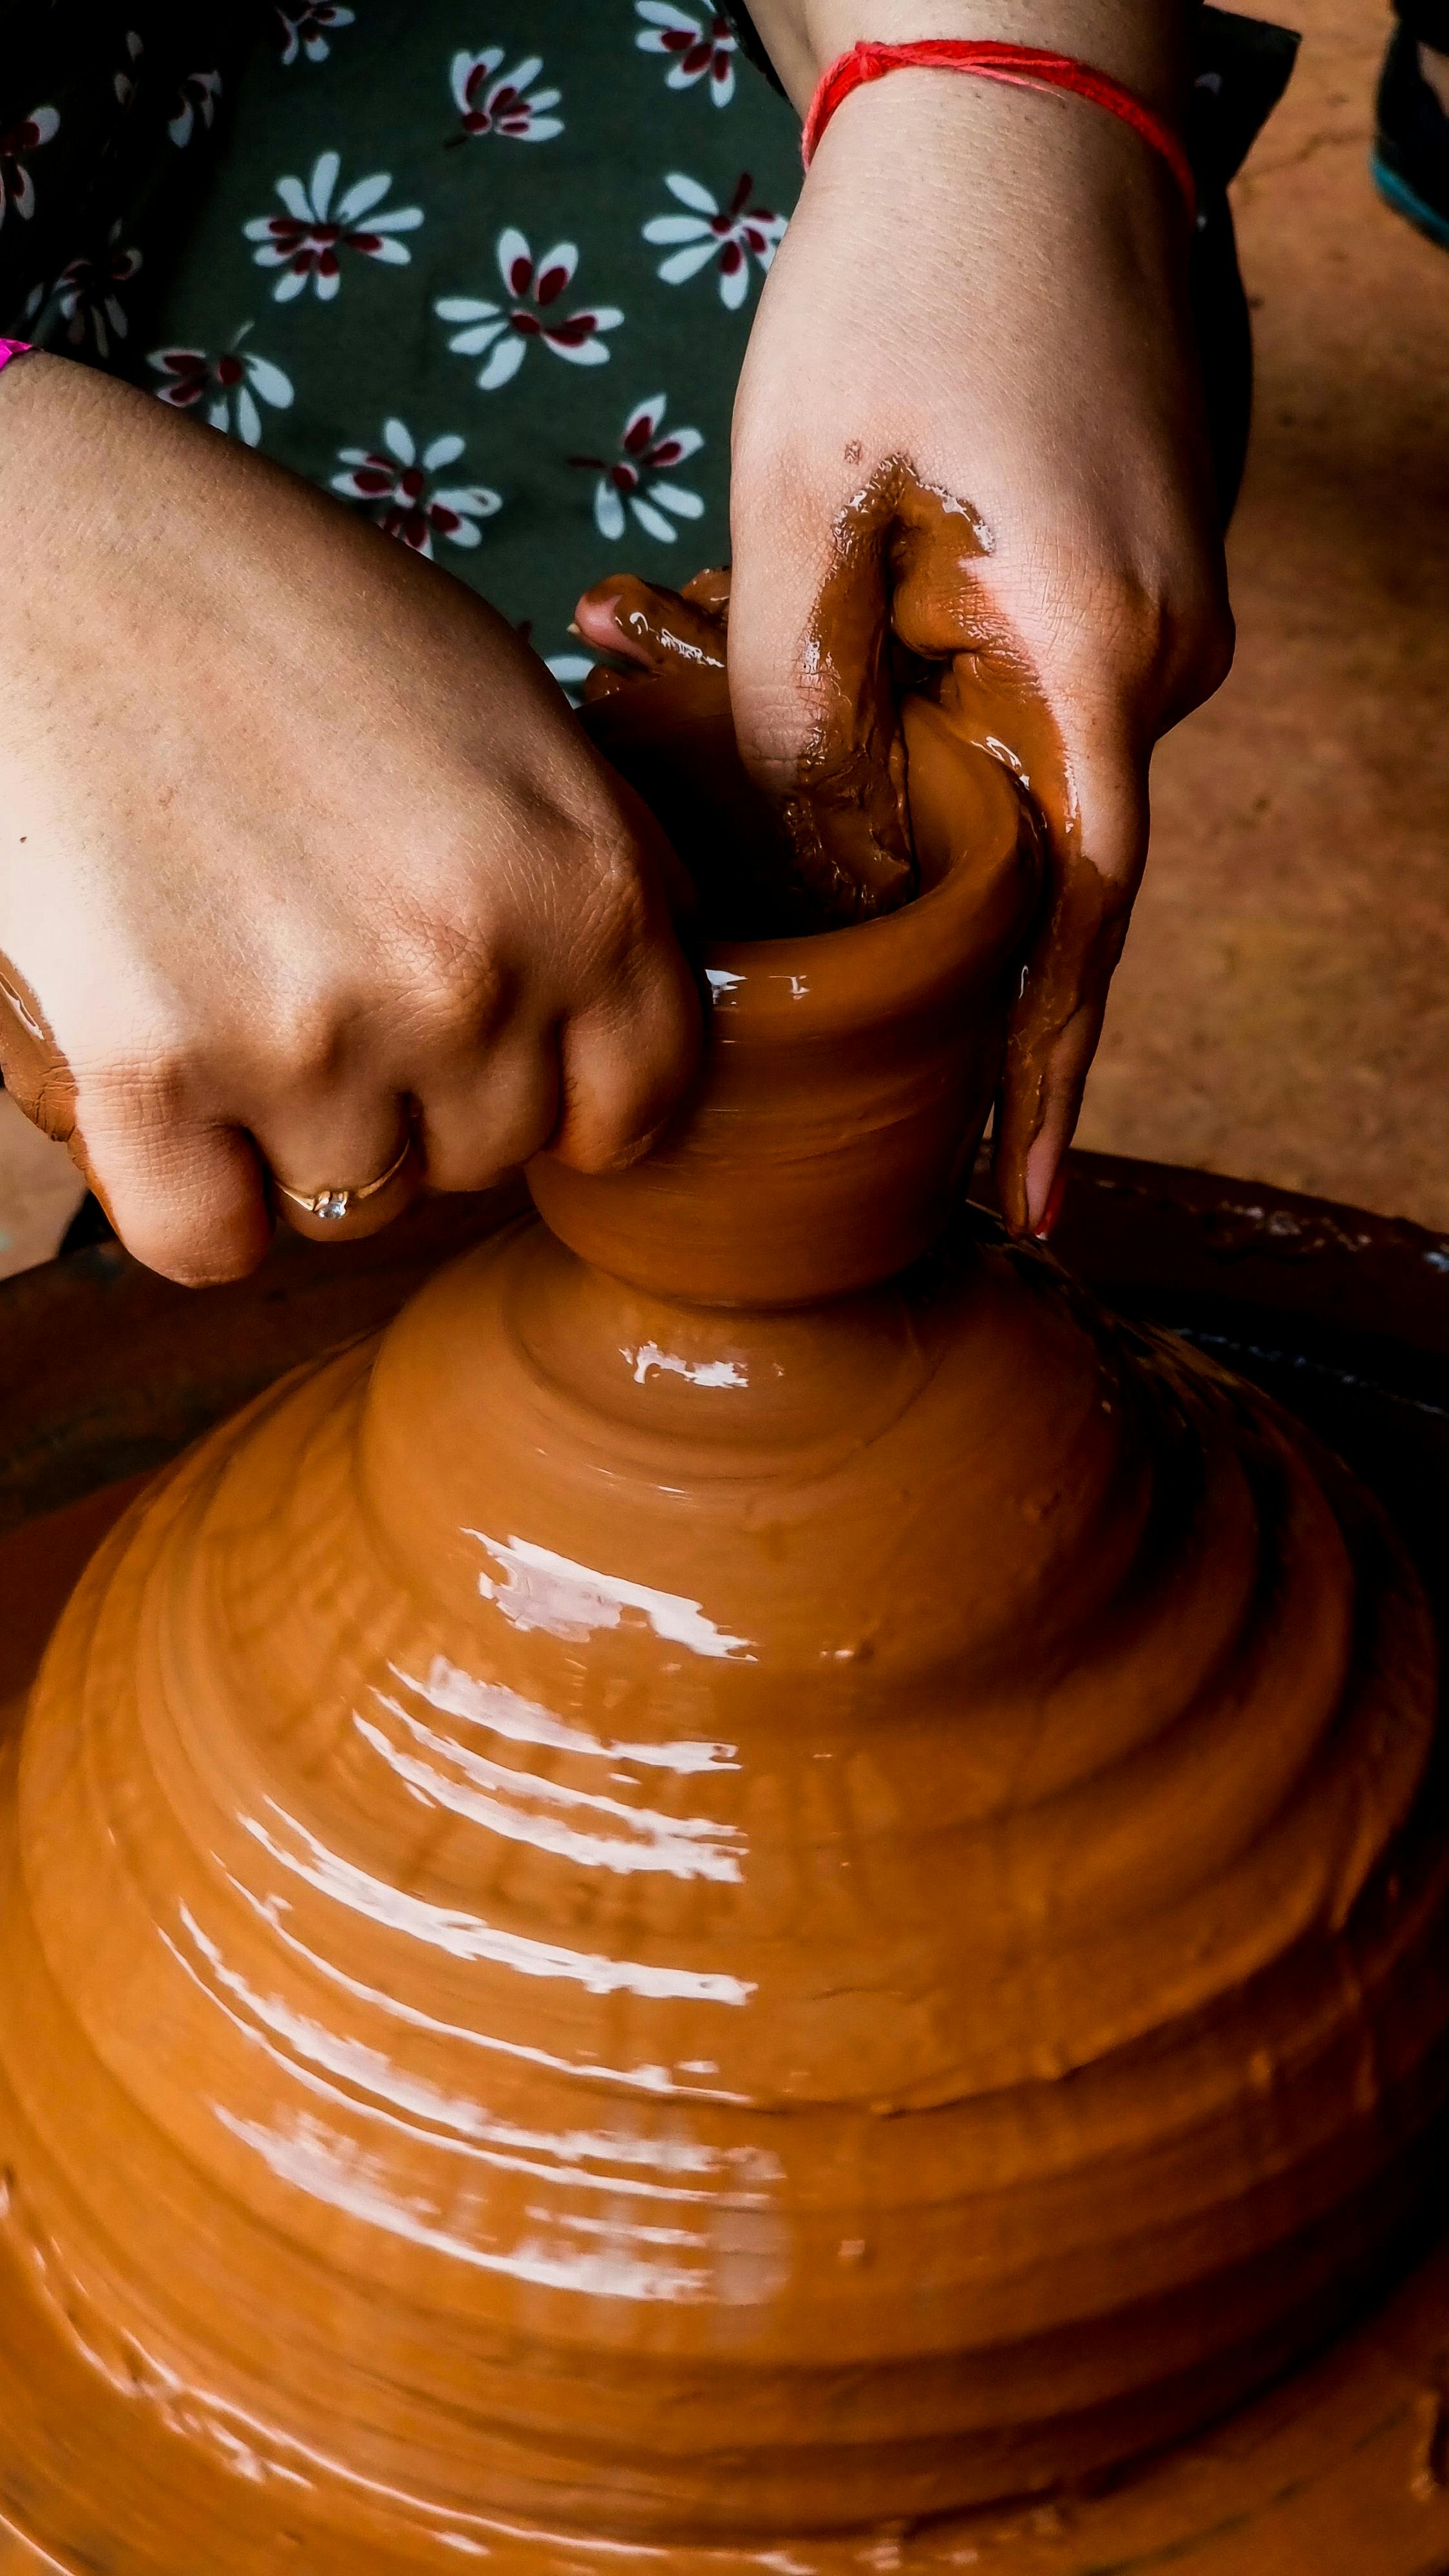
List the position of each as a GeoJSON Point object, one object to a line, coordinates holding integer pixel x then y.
{"type": "Point", "coordinates": [970, 427]}
{"type": "Point", "coordinates": [300, 850]}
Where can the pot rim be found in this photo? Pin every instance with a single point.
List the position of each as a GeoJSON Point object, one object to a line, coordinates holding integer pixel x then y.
{"type": "Point", "coordinates": [902, 962]}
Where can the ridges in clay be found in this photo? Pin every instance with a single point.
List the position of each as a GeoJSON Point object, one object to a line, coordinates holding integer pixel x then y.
{"type": "Point", "coordinates": [656, 1916]}
{"type": "Point", "coordinates": [562, 2207]}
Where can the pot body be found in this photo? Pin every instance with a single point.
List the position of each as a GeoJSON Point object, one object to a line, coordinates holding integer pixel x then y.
{"type": "Point", "coordinates": [689, 1928]}
{"type": "Point", "coordinates": [847, 1078]}
{"type": "Point", "coordinates": [754, 1879]}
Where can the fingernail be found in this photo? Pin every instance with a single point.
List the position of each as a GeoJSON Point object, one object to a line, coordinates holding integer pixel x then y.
{"type": "Point", "coordinates": [1053, 1208]}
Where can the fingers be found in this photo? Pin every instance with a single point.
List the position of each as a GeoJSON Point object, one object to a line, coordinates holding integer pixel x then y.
{"type": "Point", "coordinates": [197, 1198]}
{"type": "Point", "coordinates": [811, 682]}
{"type": "Point", "coordinates": [1076, 734]}
{"type": "Point", "coordinates": [1076, 714]}
{"type": "Point", "coordinates": [187, 1200]}
{"type": "Point", "coordinates": [186, 1197]}
{"type": "Point", "coordinates": [1077, 743]}
{"type": "Point", "coordinates": [623, 1067]}
{"type": "Point", "coordinates": [659, 629]}
{"type": "Point", "coordinates": [1080, 733]}
{"type": "Point", "coordinates": [630, 1044]}
{"type": "Point", "coordinates": [485, 1117]}
{"type": "Point", "coordinates": [1057, 1022]}
{"type": "Point", "coordinates": [353, 1156]}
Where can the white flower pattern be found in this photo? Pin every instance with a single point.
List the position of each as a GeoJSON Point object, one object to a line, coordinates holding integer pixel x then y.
{"type": "Point", "coordinates": [725, 234]}
{"type": "Point", "coordinates": [490, 101]}
{"type": "Point", "coordinates": [87, 293]}
{"type": "Point", "coordinates": [534, 287]}
{"type": "Point", "coordinates": [17, 188]}
{"type": "Point", "coordinates": [414, 260]}
{"type": "Point", "coordinates": [631, 482]}
{"type": "Point", "coordinates": [196, 105]}
{"type": "Point", "coordinates": [306, 241]}
{"type": "Point", "coordinates": [698, 48]}
{"type": "Point", "coordinates": [230, 385]}
{"type": "Point", "coordinates": [305, 31]}
{"type": "Point", "coordinates": [396, 482]}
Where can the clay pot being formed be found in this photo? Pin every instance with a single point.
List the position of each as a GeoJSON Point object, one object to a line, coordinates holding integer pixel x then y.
{"type": "Point", "coordinates": [755, 1881]}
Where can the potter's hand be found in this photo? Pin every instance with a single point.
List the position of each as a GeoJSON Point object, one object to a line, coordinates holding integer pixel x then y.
{"type": "Point", "coordinates": [299, 848]}
{"type": "Point", "coordinates": [971, 393]}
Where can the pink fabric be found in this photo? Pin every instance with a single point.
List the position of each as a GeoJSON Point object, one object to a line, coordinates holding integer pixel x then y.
{"type": "Point", "coordinates": [13, 349]}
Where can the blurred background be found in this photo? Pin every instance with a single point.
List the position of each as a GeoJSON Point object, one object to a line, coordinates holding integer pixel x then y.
{"type": "Point", "coordinates": [1282, 1012]}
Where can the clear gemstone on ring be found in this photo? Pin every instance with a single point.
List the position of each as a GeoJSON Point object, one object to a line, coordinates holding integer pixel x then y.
{"type": "Point", "coordinates": [331, 1205]}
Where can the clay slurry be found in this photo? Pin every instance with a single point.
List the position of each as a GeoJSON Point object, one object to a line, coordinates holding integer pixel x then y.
{"type": "Point", "coordinates": [753, 1883]}
{"type": "Point", "coordinates": [903, 619]}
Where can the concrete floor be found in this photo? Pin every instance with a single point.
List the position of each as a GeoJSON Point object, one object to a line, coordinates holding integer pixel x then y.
{"type": "Point", "coordinates": [1283, 1008]}
{"type": "Point", "coordinates": [38, 1192]}
{"type": "Point", "coordinates": [1282, 1011]}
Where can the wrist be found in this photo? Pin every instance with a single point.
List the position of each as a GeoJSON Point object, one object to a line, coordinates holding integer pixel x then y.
{"type": "Point", "coordinates": [1142, 43]}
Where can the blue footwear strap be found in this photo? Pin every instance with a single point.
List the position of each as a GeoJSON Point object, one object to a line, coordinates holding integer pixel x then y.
{"type": "Point", "coordinates": [1406, 201]}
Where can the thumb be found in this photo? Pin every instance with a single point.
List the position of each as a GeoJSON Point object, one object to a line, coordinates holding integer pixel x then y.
{"type": "Point", "coordinates": [1081, 759]}
{"type": "Point", "coordinates": [1095, 855]}
{"type": "Point", "coordinates": [815, 652]}
{"type": "Point", "coordinates": [811, 686]}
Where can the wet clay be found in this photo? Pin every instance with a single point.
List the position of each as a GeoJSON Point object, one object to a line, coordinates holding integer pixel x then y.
{"type": "Point", "coordinates": [904, 617]}
{"type": "Point", "coordinates": [32, 1067]}
{"type": "Point", "coordinates": [753, 1884]}
{"type": "Point", "coordinates": [664, 723]}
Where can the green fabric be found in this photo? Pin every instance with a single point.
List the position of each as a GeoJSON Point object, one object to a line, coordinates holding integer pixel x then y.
{"type": "Point", "coordinates": [613, 123]}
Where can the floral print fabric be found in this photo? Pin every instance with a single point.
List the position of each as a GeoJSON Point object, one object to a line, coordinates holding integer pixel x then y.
{"type": "Point", "coordinates": [110, 114]}
{"type": "Point", "coordinates": [484, 268]}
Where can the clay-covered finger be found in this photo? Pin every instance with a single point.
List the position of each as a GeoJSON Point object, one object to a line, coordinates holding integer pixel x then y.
{"type": "Point", "coordinates": [1096, 846]}
{"type": "Point", "coordinates": [655, 628]}
{"type": "Point", "coordinates": [1076, 741]}
{"type": "Point", "coordinates": [813, 688]}
{"type": "Point", "coordinates": [32, 1064]}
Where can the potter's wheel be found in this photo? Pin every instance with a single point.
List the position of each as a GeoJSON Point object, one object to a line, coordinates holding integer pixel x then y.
{"type": "Point", "coordinates": [1345, 1319]}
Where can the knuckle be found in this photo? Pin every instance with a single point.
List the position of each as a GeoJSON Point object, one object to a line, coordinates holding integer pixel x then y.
{"type": "Point", "coordinates": [1161, 642]}
{"type": "Point", "coordinates": [303, 1041]}
{"type": "Point", "coordinates": [445, 981]}
{"type": "Point", "coordinates": [459, 997]}
{"type": "Point", "coordinates": [140, 1088]}
{"type": "Point", "coordinates": [195, 1219]}
{"type": "Point", "coordinates": [616, 911]}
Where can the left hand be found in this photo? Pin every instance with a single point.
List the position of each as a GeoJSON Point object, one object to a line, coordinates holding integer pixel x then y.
{"type": "Point", "coordinates": [970, 413]}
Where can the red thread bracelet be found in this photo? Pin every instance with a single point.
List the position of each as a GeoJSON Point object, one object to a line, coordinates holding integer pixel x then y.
{"type": "Point", "coordinates": [1022, 66]}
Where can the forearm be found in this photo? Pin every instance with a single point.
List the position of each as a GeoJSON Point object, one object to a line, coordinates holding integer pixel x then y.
{"type": "Point", "coordinates": [1144, 43]}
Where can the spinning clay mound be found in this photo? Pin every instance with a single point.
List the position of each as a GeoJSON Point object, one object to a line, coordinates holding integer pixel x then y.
{"type": "Point", "coordinates": [757, 1879]}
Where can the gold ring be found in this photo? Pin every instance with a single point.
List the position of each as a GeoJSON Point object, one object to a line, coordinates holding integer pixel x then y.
{"type": "Point", "coordinates": [333, 1205]}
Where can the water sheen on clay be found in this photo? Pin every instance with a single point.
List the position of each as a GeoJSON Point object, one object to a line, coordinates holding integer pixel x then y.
{"type": "Point", "coordinates": [903, 624]}
{"type": "Point", "coordinates": [753, 1882]}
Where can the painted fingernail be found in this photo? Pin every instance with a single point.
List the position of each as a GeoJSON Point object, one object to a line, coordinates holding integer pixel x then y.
{"type": "Point", "coordinates": [1053, 1208]}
